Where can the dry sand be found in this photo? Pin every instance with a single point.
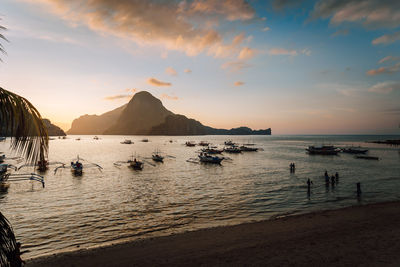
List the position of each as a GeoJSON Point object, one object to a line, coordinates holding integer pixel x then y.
{"type": "Point", "coordinates": [356, 236]}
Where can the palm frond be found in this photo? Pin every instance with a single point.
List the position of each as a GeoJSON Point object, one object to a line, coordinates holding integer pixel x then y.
{"type": "Point", "coordinates": [3, 38]}
{"type": "Point", "coordinates": [8, 243]}
{"type": "Point", "coordinates": [23, 123]}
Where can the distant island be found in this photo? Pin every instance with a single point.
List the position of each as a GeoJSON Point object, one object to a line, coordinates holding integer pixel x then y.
{"type": "Point", "coordinates": [52, 130]}
{"type": "Point", "coordinates": [146, 115]}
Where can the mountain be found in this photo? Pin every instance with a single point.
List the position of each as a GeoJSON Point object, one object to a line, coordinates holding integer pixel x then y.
{"type": "Point", "coordinates": [95, 124]}
{"type": "Point", "coordinates": [146, 115]}
{"type": "Point", "coordinates": [143, 112]}
{"type": "Point", "coordinates": [52, 129]}
{"type": "Point", "coordinates": [181, 125]}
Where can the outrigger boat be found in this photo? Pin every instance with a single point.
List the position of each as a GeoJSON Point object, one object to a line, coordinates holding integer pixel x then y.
{"type": "Point", "coordinates": [204, 143]}
{"type": "Point", "coordinates": [190, 143]}
{"type": "Point", "coordinates": [157, 157]}
{"type": "Point", "coordinates": [248, 149]}
{"type": "Point", "coordinates": [210, 150]}
{"type": "Point", "coordinates": [354, 150]}
{"type": "Point", "coordinates": [366, 157]}
{"type": "Point", "coordinates": [323, 150]}
{"type": "Point", "coordinates": [133, 163]}
{"type": "Point", "coordinates": [206, 158]}
{"type": "Point", "coordinates": [77, 166]}
{"type": "Point", "coordinates": [96, 138]}
{"type": "Point", "coordinates": [232, 149]}
{"type": "Point", "coordinates": [229, 143]}
{"type": "Point", "coordinates": [127, 142]}
{"type": "Point", "coordinates": [6, 177]}
{"type": "Point", "coordinates": [145, 140]}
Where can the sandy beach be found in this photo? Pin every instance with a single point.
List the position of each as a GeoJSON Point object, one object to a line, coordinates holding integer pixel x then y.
{"type": "Point", "coordinates": [356, 236]}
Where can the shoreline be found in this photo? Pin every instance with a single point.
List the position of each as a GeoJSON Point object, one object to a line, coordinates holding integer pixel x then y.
{"type": "Point", "coordinates": [357, 235]}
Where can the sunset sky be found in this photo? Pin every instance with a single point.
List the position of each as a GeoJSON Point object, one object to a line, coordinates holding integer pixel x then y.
{"type": "Point", "coordinates": [299, 67]}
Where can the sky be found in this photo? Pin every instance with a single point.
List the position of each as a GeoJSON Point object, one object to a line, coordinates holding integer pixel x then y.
{"type": "Point", "coordinates": [299, 67]}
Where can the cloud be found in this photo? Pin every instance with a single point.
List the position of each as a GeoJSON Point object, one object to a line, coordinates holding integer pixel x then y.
{"type": "Point", "coordinates": [165, 96]}
{"type": "Point", "coordinates": [370, 13]}
{"type": "Point", "coordinates": [282, 52]}
{"type": "Point", "coordinates": [169, 24]}
{"type": "Point", "coordinates": [385, 87]}
{"type": "Point", "coordinates": [238, 83]}
{"type": "Point", "coordinates": [187, 71]}
{"type": "Point", "coordinates": [155, 82]}
{"type": "Point", "coordinates": [235, 65]}
{"type": "Point", "coordinates": [340, 32]}
{"type": "Point", "coordinates": [388, 58]}
{"type": "Point", "coordinates": [384, 70]}
{"type": "Point", "coordinates": [265, 29]}
{"type": "Point", "coordinates": [117, 97]}
{"type": "Point", "coordinates": [230, 9]}
{"type": "Point", "coordinates": [132, 90]}
{"type": "Point", "coordinates": [387, 38]}
{"type": "Point", "coordinates": [171, 71]}
{"type": "Point", "coordinates": [246, 53]}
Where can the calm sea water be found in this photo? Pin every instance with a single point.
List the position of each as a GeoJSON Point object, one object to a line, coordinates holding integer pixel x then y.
{"type": "Point", "coordinates": [120, 204]}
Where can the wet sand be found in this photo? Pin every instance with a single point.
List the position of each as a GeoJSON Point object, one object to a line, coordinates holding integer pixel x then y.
{"type": "Point", "coordinates": [355, 236]}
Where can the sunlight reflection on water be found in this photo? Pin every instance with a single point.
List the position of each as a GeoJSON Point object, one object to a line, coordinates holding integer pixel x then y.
{"type": "Point", "coordinates": [119, 204]}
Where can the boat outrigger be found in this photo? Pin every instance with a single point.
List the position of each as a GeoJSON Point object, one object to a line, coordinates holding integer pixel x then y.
{"type": "Point", "coordinates": [133, 163]}
{"type": "Point", "coordinates": [77, 166]}
{"type": "Point", "coordinates": [322, 150]}
{"type": "Point", "coordinates": [6, 177]}
{"type": "Point", "coordinates": [42, 165]}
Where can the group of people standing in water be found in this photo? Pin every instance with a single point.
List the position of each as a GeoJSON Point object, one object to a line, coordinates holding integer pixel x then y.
{"type": "Point", "coordinates": [334, 179]}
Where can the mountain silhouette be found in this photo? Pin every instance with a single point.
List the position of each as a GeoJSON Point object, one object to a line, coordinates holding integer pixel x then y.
{"type": "Point", "coordinates": [146, 115]}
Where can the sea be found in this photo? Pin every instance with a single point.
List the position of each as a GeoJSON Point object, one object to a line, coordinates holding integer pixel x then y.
{"type": "Point", "coordinates": [117, 204]}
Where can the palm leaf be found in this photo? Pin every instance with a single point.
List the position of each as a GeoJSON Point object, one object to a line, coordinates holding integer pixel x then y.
{"type": "Point", "coordinates": [23, 123]}
{"type": "Point", "coordinates": [3, 38]}
{"type": "Point", "coordinates": [8, 244]}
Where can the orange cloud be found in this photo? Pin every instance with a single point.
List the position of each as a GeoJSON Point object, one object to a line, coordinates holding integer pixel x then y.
{"type": "Point", "coordinates": [171, 71]}
{"type": "Point", "coordinates": [246, 53]}
{"type": "Point", "coordinates": [238, 83]}
{"type": "Point", "coordinates": [387, 38]}
{"type": "Point", "coordinates": [235, 65]}
{"type": "Point", "coordinates": [382, 70]}
{"type": "Point", "coordinates": [167, 24]}
{"type": "Point", "coordinates": [165, 96]}
{"type": "Point", "coordinates": [155, 82]}
{"type": "Point", "coordinates": [117, 97]}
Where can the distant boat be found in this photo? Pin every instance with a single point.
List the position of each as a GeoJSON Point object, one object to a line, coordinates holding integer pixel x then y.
{"type": "Point", "coordinates": [210, 150]}
{"type": "Point", "coordinates": [190, 143]}
{"type": "Point", "coordinates": [145, 140]}
{"type": "Point", "coordinates": [248, 149]}
{"type": "Point", "coordinates": [206, 158]}
{"type": "Point", "coordinates": [203, 143]}
{"type": "Point", "coordinates": [366, 157]}
{"type": "Point", "coordinates": [96, 138]}
{"type": "Point", "coordinates": [127, 142]}
{"type": "Point", "coordinates": [229, 143]}
{"type": "Point", "coordinates": [78, 139]}
{"type": "Point", "coordinates": [232, 149]}
{"type": "Point", "coordinates": [322, 150]}
{"type": "Point", "coordinates": [136, 164]}
{"type": "Point", "coordinates": [156, 156]}
{"type": "Point", "coordinates": [2, 158]}
{"type": "Point", "coordinates": [354, 150]}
